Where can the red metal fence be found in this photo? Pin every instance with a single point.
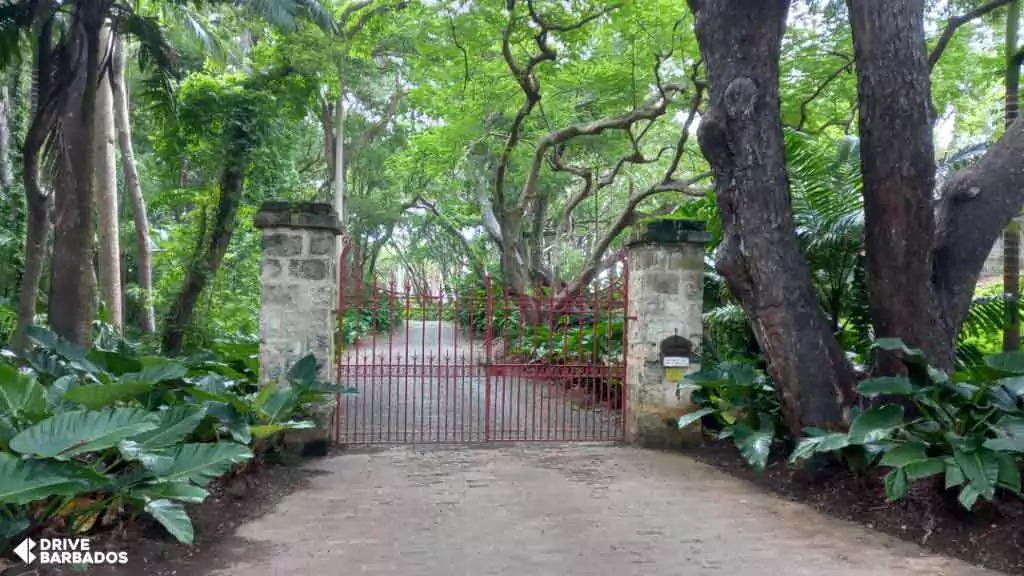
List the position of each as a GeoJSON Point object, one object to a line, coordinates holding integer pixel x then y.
{"type": "Point", "coordinates": [481, 364]}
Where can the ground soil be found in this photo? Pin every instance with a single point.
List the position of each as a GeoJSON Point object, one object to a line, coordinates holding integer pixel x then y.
{"type": "Point", "coordinates": [991, 536]}
{"type": "Point", "coordinates": [232, 502]}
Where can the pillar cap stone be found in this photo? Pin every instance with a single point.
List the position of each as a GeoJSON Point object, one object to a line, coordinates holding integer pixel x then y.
{"type": "Point", "coordinates": [669, 231]}
{"type": "Point", "coordinates": [304, 215]}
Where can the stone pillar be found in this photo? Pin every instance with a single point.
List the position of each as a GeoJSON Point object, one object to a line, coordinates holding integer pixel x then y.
{"type": "Point", "coordinates": [299, 296]}
{"type": "Point", "coordinates": [666, 289]}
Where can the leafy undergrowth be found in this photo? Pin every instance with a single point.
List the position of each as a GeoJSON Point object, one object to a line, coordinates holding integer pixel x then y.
{"type": "Point", "coordinates": [92, 440]}
{"type": "Point", "coordinates": [992, 535]}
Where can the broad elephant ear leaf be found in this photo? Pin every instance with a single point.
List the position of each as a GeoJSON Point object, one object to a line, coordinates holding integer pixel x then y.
{"type": "Point", "coordinates": [20, 394]}
{"type": "Point", "coordinates": [199, 463]}
{"type": "Point", "coordinates": [175, 425]}
{"type": "Point", "coordinates": [97, 396]}
{"type": "Point", "coordinates": [172, 516]}
{"type": "Point", "coordinates": [25, 481]}
{"type": "Point", "coordinates": [72, 433]}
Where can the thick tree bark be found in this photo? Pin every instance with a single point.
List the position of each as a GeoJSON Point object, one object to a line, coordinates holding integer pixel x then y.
{"type": "Point", "coordinates": [143, 250]}
{"type": "Point", "coordinates": [1011, 236]}
{"type": "Point", "coordinates": [205, 265]}
{"type": "Point", "coordinates": [741, 136]}
{"type": "Point", "coordinates": [106, 194]}
{"type": "Point", "coordinates": [72, 297]}
{"type": "Point", "coordinates": [924, 257]}
{"type": "Point", "coordinates": [898, 165]}
{"type": "Point", "coordinates": [39, 204]}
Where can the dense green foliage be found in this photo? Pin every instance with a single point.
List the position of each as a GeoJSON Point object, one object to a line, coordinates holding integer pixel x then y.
{"type": "Point", "coordinates": [94, 438]}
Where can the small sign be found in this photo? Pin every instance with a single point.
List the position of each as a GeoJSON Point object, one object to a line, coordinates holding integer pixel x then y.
{"type": "Point", "coordinates": [676, 362]}
{"type": "Point", "coordinates": [674, 374]}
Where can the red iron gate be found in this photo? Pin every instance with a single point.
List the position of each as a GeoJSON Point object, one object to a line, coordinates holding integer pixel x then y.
{"type": "Point", "coordinates": [481, 365]}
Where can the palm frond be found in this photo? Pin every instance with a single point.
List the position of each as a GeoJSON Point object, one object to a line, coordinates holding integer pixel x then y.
{"type": "Point", "coordinates": [285, 14]}
{"type": "Point", "coordinates": [193, 32]}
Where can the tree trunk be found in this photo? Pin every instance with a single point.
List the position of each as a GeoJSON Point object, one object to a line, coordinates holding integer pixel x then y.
{"type": "Point", "coordinates": [741, 136]}
{"type": "Point", "coordinates": [144, 252]}
{"type": "Point", "coordinates": [39, 204]}
{"type": "Point", "coordinates": [73, 288]}
{"type": "Point", "coordinates": [5, 138]}
{"type": "Point", "coordinates": [898, 165]}
{"type": "Point", "coordinates": [205, 265]}
{"type": "Point", "coordinates": [106, 196]}
{"type": "Point", "coordinates": [1011, 237]}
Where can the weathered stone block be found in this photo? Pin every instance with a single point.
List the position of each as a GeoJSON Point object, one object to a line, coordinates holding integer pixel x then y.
{"type": "Point", "coordinates": [299, 215]}
{"type": "Point", "coordinates": [308, 269]}
{"type": "Point", "coordinates": [280, 295]}
{"type": "Point", "coordinates": [270, 268]}
{"type": "Point", "coordinates": [282, 244]}
{"type": "Point", "coordinates": [322, 244]}
{"type": "Point", "coordinates": [663, 283]}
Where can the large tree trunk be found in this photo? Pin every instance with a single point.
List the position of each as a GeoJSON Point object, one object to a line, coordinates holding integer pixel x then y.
{"type": "Point", "coordinates": [1011, 236]}
{"type": "Point", "coordinates": [143, 249]}
{"type": "Point", "coordinates": [73, 289]}
{"type": "Point", "coordinates": [898, 164]}
{"type": "Point", "coordinates": [205, 265]}
{"type": "Point", "coordinates": [923, 257]}
{"type": "Point", "coordinates": [39, 204]}
{"type": "Point", "coordinates": [741, 136]}
{"type": "Point", "coordinates": [106, 196]}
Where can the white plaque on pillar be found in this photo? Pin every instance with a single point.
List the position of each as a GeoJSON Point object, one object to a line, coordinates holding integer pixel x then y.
{"type": "Point", "coordinates": [676, 362]}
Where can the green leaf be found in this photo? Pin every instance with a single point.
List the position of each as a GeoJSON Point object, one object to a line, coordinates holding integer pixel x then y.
{"type": "Point", "coordinates": [1009, 472]}
{"type": "Point", "coordinates": [755, 444]}
{"type": "Point", "coordinates": [954, 475]}
{"type": "Point", "coordinates": [1014, 384]}
{"type": "Point", "coordinates": [904, 454]}
{"type": "Point", "coordinates": [175, 425]}
{"type": "Point", "coordinates": [875, 424]}
{"type": "Point", "coordinates": [925, 468]}
{"type": "Point", "coordinates": [896, 484]}
{"type": "Point", "coordinates": [7, 431]}
{"type": "Point", "coordinates": [266, 430]}
{"type": "Point", "coordinates": [20, 393]}
{"type": "Point", "coordinates": [72, 433]}
{"type": "Point", "coordinates": [1007, 362]}
{"type": "Point", "coordinates": [263, 395]}
{"type": "Point", "coordinates": [156, 370]}
{"type": "Point", "coordinates": [133, 452]}
{"type": "Point", "coordinates": [968, 496]}
{"type": "Point", "coordinates": [231, 420]}
{"type": "Point", "coordinates": [913, 355]}
{"type": "Point", "coordinates": [98, 396]}
{"type": "Point", "coordinates": [173, 517]}
{"type": "Point", "coordinates": [114, 362]}
{"type": "Point", "coordinates": [199, 463]}
{"type": "Point", "coordinates": [181, 491]}
{"type": "Point", "coordinates": [304, 370]}
{"type": "Point", "coordinates": [981, 470]}
{"type": "Point", "coordinates": [281, 403]}
{"type": "Point", "coordinates": [1009, 435]}
{"type": "Point", "coordinates": [56, 392]}
{"type": "Point", "coordinates": [807, 447]}
{"type": "Point", "coordinates": [886, 386]}
{"type": "Point", "coordinates": [24, 481]}
{"type": "Point", "coordinates": [687, 419]}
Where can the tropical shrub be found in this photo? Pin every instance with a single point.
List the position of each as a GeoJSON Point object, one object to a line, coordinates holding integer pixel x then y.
{"type": "Point", "coordinates": [971, 434]}
{"type": "Point", "coordinates": [741, 403]}
{"type": "Point", "coordinates": [91, 438]}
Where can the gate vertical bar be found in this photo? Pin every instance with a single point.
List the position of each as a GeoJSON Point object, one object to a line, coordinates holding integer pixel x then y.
{"type": "Point", "coordinates": [624, 391]}
{"type": "Point", "coordinates": [489, 363]}
{"type": "Point", "coordinates": [340, 338]}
